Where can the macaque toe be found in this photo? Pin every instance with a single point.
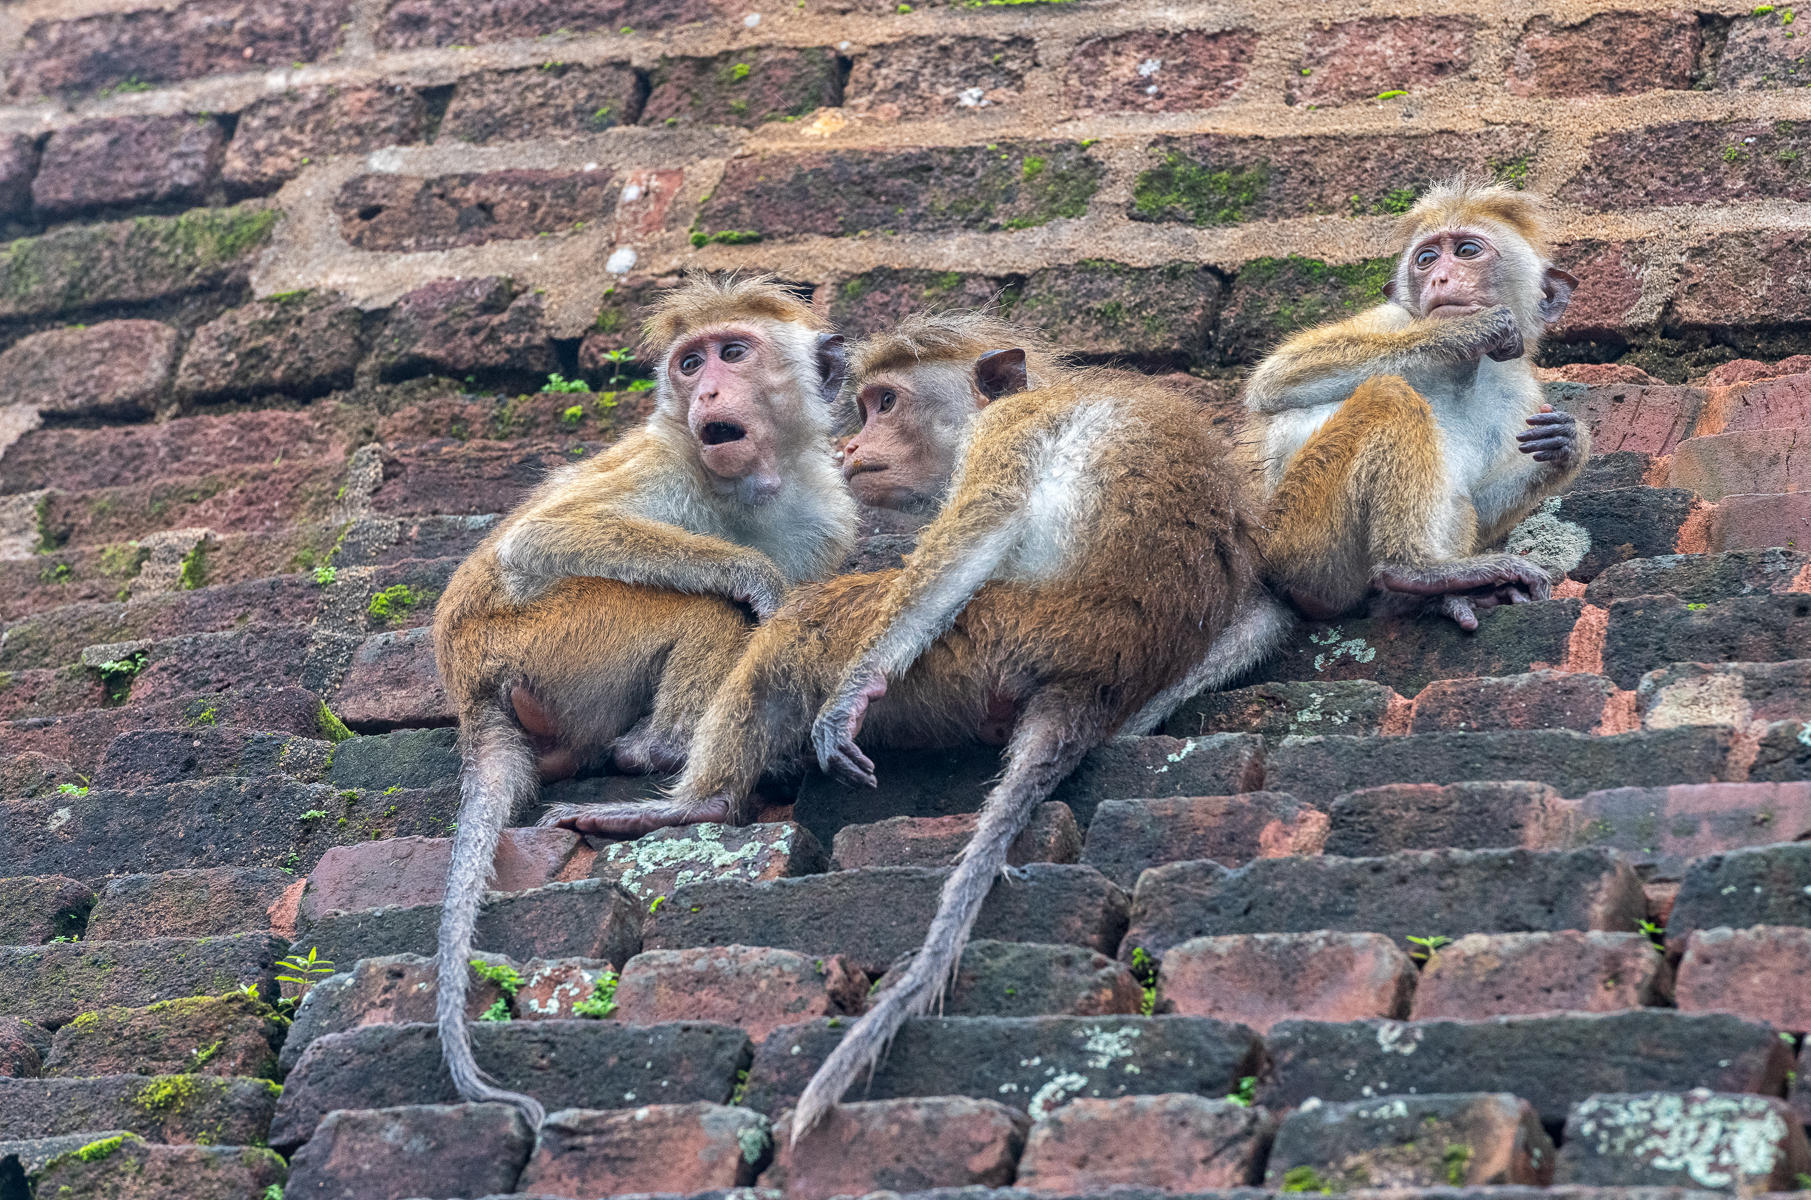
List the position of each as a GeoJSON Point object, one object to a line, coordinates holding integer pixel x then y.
{"type": "Point", "coordinates": [1459, 609]}
{"type": "Point", "coordinates": [632, 820]}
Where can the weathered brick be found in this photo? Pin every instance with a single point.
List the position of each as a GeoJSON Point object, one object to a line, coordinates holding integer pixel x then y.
{"type": "Point", "coordinates": [52, 984]}
{"type": "Point", "coordinates": [234, 1034]}
{"type": "Point", "coordinates": [1051, 836]}
{"type": "Point", "coordinates": [432, 1149]}
{"type": "Point", "coordinates": [1762, 973]}
{"type": "Point", "coordinates": [1781, 402]}
{"type": "Point", "coordinates": [1739, 694]}
{"type": "Point", "coordinates": [392, 989]}
{"type": "Point", "coordinates": [1758, 522]}
{"type": "Point", "coordinates": [1751, 461]}
{"type": "Point", "coordinates": [1157, 70]}
{"type": "Point", "coordinates": [412, 870]}
{"type": "Point", "coordinates": [392, 681]}
{"type": "Point", "coordinates": [24, 1045]}
{"type": "Point", "coordinates": [876, 914]}
{"type": "Point", "coordinates": [1538, 700]}
{"type": "Point", "coordinates": [411, 213]}
{"type": "Point", "coordinates": [1660, 829]}
{"type": "Point", "coordinates": [552, 988]}
{"type": "Point", "coordinates": [746, 87]}
{"type": "Point", "coordinates": [1034, 1063]}
{"type": "Point", "coordinates": [1699, 578]}
{"type": "Point", "coordinates": [1279, 710]}
{"type": "Point", "coordinates": [876, 300]}
{"type": "Point", "coordinates": [1215, 179]}
{"type": "Point", "coordinates": [1783, 754]}
{"type": "Point", "coordinates": [1168, 1143]}
{"type": "Point", "coordinates": [159, 45]}
{"type": "Point", "coordinates": [1433, 892]}
{"type": "Point", "coordinates": [126, 161]}
{"type": "Point", "coordinates": [898, 1145]}
{"type": "Point", "coordinates": [666, 860]}
{"type": "Point", "coordinates": [1552, 1062]}
{"type": "Point", "coordinates": [1355, 60]}
{"type": "Point", "coordinates": [180, 1109]}
{"type": "Point", "coordinates": [1743, 279]}
{"type": "Point", "coordinates": [1740, 1143]}
{"type": "Point", "coordinates": [279, 136]}
{"type": "Point", "coordinates": [1609, 277]}
{"type": "Point", "coordinates": [1504, 974]}
{"type": "Point", "coordinates": [1127, 836]}
{"type": "Point", "coordinates": [565, 1064]}
{"type": "Point", "coordinates": [754, 988]}
{"type": "Point", "coordinates": [1758, 885]}
{"type": "Point", "coordinates": [1098, 307]}
{"type": "Point", "coordinates": [75, 741]}
{"type": "Point", "coordinates": [1645, 418]}
{"type": "Point", "coordinates": [111, 369]}
{"type": "Point", "coordinates": [1015, 185]}
{"type": "Point", "coordinates": [1025, 979]}
{"type": "Point", "coordinates": [1692, 162]}
{"type": "Point", "coordinates": [1646, 633]}
{"type": "Point", "coordinates": [299, 344]}
{"type": "Point", "coordinates": [34, 909]}
{"type": "Point", "coordinates": [1612, 470]}
{"type": "Point", "coordinates": [18, 162]}
{"type": "Point", "coordinates": [1319, 768]}
{"type": "Point", "coordinates": [409, 23]}
{"type": "Point", "coordinates": [1612, 53]}
{"type": "Point", "coordinates": [1432, 816]}
{"type": "Point", "coordinates": [675, 1149]}
{"type": "Point", "coordinates": [1762, 51]}
{"type": "Point", "coordinates": [939, 76]}
{"type": "Point", "coordinates": [1259, 979]}
{"type": "Point", "coordinates": [141, 1170]}
{"type": "Point", "coordinates": [205, 903]}
{"type": "Point", "coordinates": [1459, 1139]}
{"type": "Point", "coordinates": [552, 100]}
{"type": "Point", "coordinates": [1625, 523]}
{"type": "Point", "coordinates": [458, 326]}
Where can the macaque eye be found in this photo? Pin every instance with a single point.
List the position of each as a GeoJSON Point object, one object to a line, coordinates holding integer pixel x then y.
{"type": "Point", "coordinates": [887, 400]}
{"type": "Point", "coordinates": [1426, 257]}
{"type": "Point", "coordinates": [1469, 250]}
{"type": "Point", "coordinates": [690, 363]}
{"type": "Point", "coordinates": [733, 351]}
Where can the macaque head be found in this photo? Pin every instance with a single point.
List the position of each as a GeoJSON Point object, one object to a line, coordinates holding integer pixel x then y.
{"type": "Point", "coordinates": [749, 373]}
{"type": "Point", "coordinates": [1469, 247]}
{"type": "Point", "coordinates": [915, 391]}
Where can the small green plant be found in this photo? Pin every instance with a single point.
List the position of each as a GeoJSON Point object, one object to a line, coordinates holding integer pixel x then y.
{"type": "Point", "coordinates": [560, 384]}
{"type": "Point", "coordinates": [1656, 935]}
{"type": "Point", "coordinates": [1426, 947]}
{"type": "Point", "coordinates": [313, 814]}
{"type": "Point", "coordinates": [726, 237]}
{"type": "Point", "coordinates": [326, 575]}
{"type": "Point", "coordinates": [1696, 606]}
{"type": "Point", "coordinates": [63, 939]}
{"type": "Point", "coordinates": [251, 991]}
{"type": "Point", "coordinates": [304, 973]}
{"type": "Point", "coordinates": [1245, 1093]}
{"type": "Point", "coordinates": [739, 72]}
{"type": "Point", "coordinates": [508, 980]}
{"type": "Point", "coordinates": [398, 601]}
{"type": "Point", "coordinates": [71, 789]}
{"type": "Point", "coordinates": [117, 673]}
{"type": "Point", "coordinates": [654, 905]}
{"type": "Point", "coordinates": [573, 415]}
{"type": "Point", "coordinates": [601, 1002]}
{"type": "Point", "coordinates": [95, 1151]}
{"type": "Point", "coordinates": [1144, 969]}
{"type": "Point", "coordinates": [498, 1011]}
{"type": "Point", "coordinates": [740, 1091]}
{"type": "Point", "coordinates": [1457, 1159]}
{"type": "Point", "coordinates": [1304, 1179]}
{"type": "Point", "coordinates": [273, 1192]}
{"type": "Point", "coordinates": [1391, 94]}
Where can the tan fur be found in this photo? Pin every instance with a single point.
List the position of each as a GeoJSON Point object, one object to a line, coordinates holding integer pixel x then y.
{"type": "Point", "coordinates": [1457, 203]}
{"type": "Point", "coordinates": [713, 300]}
{"type": "Point", "coordinates": [948, 337]}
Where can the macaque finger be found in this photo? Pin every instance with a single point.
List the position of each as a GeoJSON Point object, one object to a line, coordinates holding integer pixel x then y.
{"type": "Point", "coordinates": [1549, 445]}
{"type": "Point", "coordinates": [632, 819]}
{"type": "Point", "coordinates": [1518, 596]}
{"type": "Point", "coordinates": [1548, 417]}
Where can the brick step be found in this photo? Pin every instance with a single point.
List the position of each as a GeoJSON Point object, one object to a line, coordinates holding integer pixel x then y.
{"type": "Point", "coordinates": [35, 909]}
{"type": "Point", "coordinates": [180, 1109]}
{"type": "Point", "coordinates": [1743, 463]}
{"type": "Point", "coordinates": [1462, 1138]}
{"type": "Point", "coordinates": [1758, 885]}
{"type": "Point", "coordinates": [249, 499]}
{"type": "Point", "coordinates": [231, 1034]}
{"type": "Point", "coordinates": [52, 984]}
{"type": "Point", "coordinates": [1752, 523]}
{"type": "Point", "coordinates": [1702, 578]}
{"type": "Point", "coordinates": [1611, 525]}
{"type": "Point", "coordinates": [124, 1166]}
{"type": "Point", "coordinates": [1051, 835]}
{"type": "Point", "coordinates": [80, 740]}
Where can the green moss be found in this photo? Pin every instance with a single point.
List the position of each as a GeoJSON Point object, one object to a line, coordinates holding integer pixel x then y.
{"type": "Point", "coordinates": [332, 728]}
{"type": "Point", "coordinates": [727, 237]}
{"type": "Point", "coordinates": [1031, 168]}
{"type": "Point", "coordinates": [123, 559]}
{"type": "Point", "coordinates": [1304, 1179]}
{"type": "Point", "coordinates": [167, 1093]}
{"type": "Point", "coordinates": [194, 570]}
{"type": "Point", "coordinates": [398, 601]}
{"type": "Point", "coordinates": [506, 977]}
{"type": "Point", "coordinates": [1513, 172]}
{"type": "Point", "coordinates": [96, 1151]}
{"type": "Point", "coordinates": [1457, 1160]}
{"type": "Point", "coordinates": [1180, 188]}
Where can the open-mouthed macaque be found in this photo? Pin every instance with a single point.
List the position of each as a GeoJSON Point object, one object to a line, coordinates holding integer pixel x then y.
{"type": "Point", "coordinates": [1401, 442]}
{"type": "Point", "coordinates": [1093, 547]}
{"type": "Point", "coordinates": [596, 621]}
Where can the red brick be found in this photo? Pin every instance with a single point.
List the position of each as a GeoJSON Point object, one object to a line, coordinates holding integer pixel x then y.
{"type": "Point", "coordinates": [1692, 162]}
{"type": "Point", "coordinates": [1781, 402]}
{"type": "Point", "coordinates": [552, 986]}
{"type": "Point", "coordinates": [876, 300]}
{"type": "Point", "coordinates": [1258, 979]}
{"type": "Point", "coordinates": [1052, 836]}
{"type": "Point", "coordinates": [231, 1034]}
{"type": "Point", "coordinates": [1356, 60]}
{"type": "Point", "coordinates": [1757, 522]}
{"type": "Point", "coordinates": [745, 87]}
{"type": "Point", "coordinates": [1762, 973]}
{"type": "Point", "coordinates": [1744, 279]}
{"type": "Point", "coordinates": [112, 455]}
{"type": "Point", "coordinates": [1645, 419]}
{"type": "Point", "coordinates": [278, 137]}
{"type": "Point", "coordinates": [1507, 974]}
{"type": "Point", "coordinates": [142, 1170]}
{"type": "Point", "coordinates": [1741, 1145]}
{"type": "Point", "coordinates": [301, 345]}
{"type": "Point", "coordinates": [405, 212]}
{"type": "Point", "coordinates": [34, 909]}
{"type": "Point", "coordinates": [393, 682]}
{"type": "Point", "coordinates": [754, 988]}
{"type": "Point", "coordinates": [390, 989]}
{"type": "Point", "coordinates": [552, 100]}
{"type": "Point", "coordinates": [1745, 370]}
{"type": "Point", "coordinates": [430, 23]}
{"type": "Point", "coordinates": [18, 162]}
{"type": "Point", "coordinates": [184, 41]}
{"type": "Point", "coordinates": [22, 1047]}
{"type": "Point", "coordinates": [1173, 1143]}
{"type": "Point", "coordinates": [113, 369]}
{"type": "Point", "coordinates": [1431, 816]}
{"type": "Point", "coordinates": [128, 161]}
{"type": "Point", "coordinates": [675, 1149]}
{"type": "Point", "coordinates": [941, 76]}
{"type": "Point", "coordinates": [1157, 70]}
{"type": "Point", "coordinates": [1667, 827]}
{"type": "Point", "coordinates": [898, 1145]}
{"type": "Point", "coordinates": [394, 1153]}
{"type": "Point", "coordinates": [412, 870]}
{"type": "Point", "coordinates": [1734, 464]}
{"type": "Point", "coordinates": [1539, 700]}
{"type": "Point", "coordinates": [666, 860]}
{"type": "Point", "coordinates": [1409, 1142]}
{"type": "Point", "coordinates": [1127, 836]}
{"type": "Point", "coordinates": [1762, 52]}
{"type": "Point", "coordinates": [1596, 374]}
{"type": "Point", "coordinates": [192, 903]}
{"type": "Point", "coordinates": [1613, 53]}
{"type": "Point", "coordinates": [1277, 710]}
{"type": "Point", "coordinates": [458, 326]}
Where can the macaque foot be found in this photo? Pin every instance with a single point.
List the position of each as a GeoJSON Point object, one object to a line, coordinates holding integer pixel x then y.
{"type": "Point", "coordinates": [1486, 573]}
{"type": "Point", "coordinates": [838, 722]}
{"type": "Point", "coordinates": [647, 751]}
{"type": "Point", "coordinates": [631, 819]}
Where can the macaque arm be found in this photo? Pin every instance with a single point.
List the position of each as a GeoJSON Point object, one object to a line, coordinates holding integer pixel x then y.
{"type": "Point", "coordinates": [1325, 365]}
{"type": "Point", "coordinates": [1519, 483]}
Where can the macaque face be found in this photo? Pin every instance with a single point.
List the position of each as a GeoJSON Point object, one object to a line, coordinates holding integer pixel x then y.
{"type": "Point", "coordinates": [736, 386]}
{"type": "Point", "coordinates": [911, 435]}
{"type": "Point", "coordinates": [1453, 273]}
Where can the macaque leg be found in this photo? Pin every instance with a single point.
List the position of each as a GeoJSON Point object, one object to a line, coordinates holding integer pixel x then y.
{"type": "Point", "coordinates": [694, 669]}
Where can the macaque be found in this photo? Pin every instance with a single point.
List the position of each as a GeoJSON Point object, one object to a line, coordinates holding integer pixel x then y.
{"type": "Point", "coordinates": [1402, 442]}
{"type": "Point", "coordinates": [596, 621]}
{"type": "Point", "coordinates": [1093, 546]}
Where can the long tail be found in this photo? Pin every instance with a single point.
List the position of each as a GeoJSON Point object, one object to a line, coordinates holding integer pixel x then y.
{"type": "Point", "coordinates": [1046, 745]}
{"type": "Point", "coordinates": [1262, 623]}
{"type": "Point", "coordinates": [498, 769]}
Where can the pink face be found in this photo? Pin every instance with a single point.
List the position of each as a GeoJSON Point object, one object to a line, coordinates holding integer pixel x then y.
{"type": "Point", "coordinates": [722, 377]}
{"type": "Point", "coordinates": [905, 452]}
{"type": "Point", "coordinates": [1453, 273]}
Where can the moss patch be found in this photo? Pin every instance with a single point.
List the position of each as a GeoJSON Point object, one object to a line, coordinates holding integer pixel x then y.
{"type": "Point", "coordinates": [1181, 189]}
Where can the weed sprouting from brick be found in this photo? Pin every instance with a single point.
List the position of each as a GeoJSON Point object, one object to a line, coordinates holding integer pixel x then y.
{"type": "Point", "coordinates": [1424, 948]}
{"type": "Point", "coordinates": [1246, 1093]}
{"type": "Point", "coordinates": [397, 601]}
{"type": "Point", "coordinates": [601, 1003]}
{"type": "Point", "coordinates": [302, 973]}
{"type": "Point", "coordinates": [1144, 969]}
{"type": "Point", "coordinates": [117, 675]}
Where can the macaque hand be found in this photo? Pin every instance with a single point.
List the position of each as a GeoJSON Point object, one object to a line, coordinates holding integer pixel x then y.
{"type": "Point", "coordinates": [839, 721]}
{"type": "Point", "coordinates": [1497, 334]}
{"type": "Point", "coordinates": [761, 588]}
{"type": "Point", "coordinates": [1552, 437]}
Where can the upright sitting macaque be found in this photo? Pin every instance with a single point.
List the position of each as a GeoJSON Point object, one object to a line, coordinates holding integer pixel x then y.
{"type": "Point", "coordinates": [600, 616]}
{"type": "Point", "coordinates": [1401, 442]}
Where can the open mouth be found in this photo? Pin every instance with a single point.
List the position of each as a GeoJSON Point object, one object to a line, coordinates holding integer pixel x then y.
{"type": "Point", "coordinates": [716, 433]}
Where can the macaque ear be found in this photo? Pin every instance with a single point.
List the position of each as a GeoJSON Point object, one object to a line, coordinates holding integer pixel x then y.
{"type": "Point", "coordinates": [1556, 293]}
{"type": "Point", "coordinates": [832, 364]}
{"type": "Point", "coordinates": [1001, 373]}
{"type": "Point", "coordinates": [1389, 289]}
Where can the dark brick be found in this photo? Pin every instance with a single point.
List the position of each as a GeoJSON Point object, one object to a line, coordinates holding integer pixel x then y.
{"type": "Point", "coordinates": [1431, 816]}
{"type": "Point", "coordinates": [1433, 892]}
{"type": "Point", "coordinates": [1215, 179]}
{"type": "Point", "coordinates": [1355, 60]}
{"type": "Point", "coordinates": [23, 1046]}
{"type": "Point", "coordinates": [1186, 1144]}
{"type": "Point", "coordinates": [1612, 53]}
{"type": "Point", "coordinates": [394, 989]}
{"type": "Point", "coordinates": [404, 212]}
{"type": "Point", "coordinates": [939, 76]}
{"type": "Point", "coordinates": [564, 1064]}
{"type": "Point", "coordinates": [1502, 974]}
{"type": "Point", "coordinates": [1034, 1063]}
{"type": "Point", "coordinates": [147, 758]}
{"type": "Point", "coordinates": [1742, 1143]}
{"type": "Point", "coordinates": [1699, 578]}
{"type": "Point", "coordinates": [34, 909]}
{"type": "Point", "coordinates": [745, 87]}
{"type": "Point", "coordinates": [1784, 753]}
{"type": "Point", "coordinates": [125, 161]}
{"type": "Point", "coordinates": [1625, 523]}
{"type": "Point", "coordinates": [409, 23]}
{"type": "Point", "coordinates": [475, 478]}
{"type": "Point", "coordinates": [220, 900]}
{"type": "Point", "coordinates": [159, 45]}
{"type": "Point", "coordinates": [150, 258]}
{"type": "Point", "coordinates": [1660, 829]}
{"type": "Point", "coordinates": [1015, 185]}
{"type": "Point", "coordinates": [1419, 1141]}
{"type": "Point", "coordinates": [1616, 469]}
{"type": "Point", "coordinates": [1273, 297]}
{"type": "Point", "coordinates": [140, 1170]}
{"type": "Point", "coordinates": [393, 1153]}
{"type": "Point", "coordinates": [278, 137]}
{"type": "Point", "coordinates": [1098, 307]}
{"type": "Point", "coordinates": [876, 300]}
{"type": "Point", "coordinates": [1649, 632]}
{"type": "Point", "coordinates": [1051, 836]}
{"type": "Point", "coordinates": [1319, 768]}
{"type": "Point", "coordinates": [18, 162]}
{"type": "Point", "coordinates": [112, 369]}
{"type": "Point", "coordinates": [1741, 279]}
{"type": "Point", "coordinates": [232, 1034]}
{"type": "Point", "coordinates": [1279, 710]}
{"type": "Point", "coordinates": [1127, 836]}
{"type": "Point", "coordinates": [876, 914]}
{"type": "Point", "coordinates": [1259, 979]}
{"type": "Point", "coordinates": [1762, 973]}
{"type": "Point", "coordinates": [457, 326]}
{"type": "Point", "coordinates": [57, 747]}
{"type": "Point", "coordinates": [662, 862]}
{"type": "Point", "coordinates": [1539, 700]}
{"type": "Point", "coordinates": [551, 100]}
{"type": "Point", "coordinates": [1157, 70]}
{"type": "Point", "coordinates": [1762, 52]}
{"type": "Point", "coordinates": [1552, 1062]}
{"type": "Point", "coordinates": [411, 758]}
{"type": "Point", "coordinates": [51, 984]}
{"type": "Point", "coordinates": [870, 1146]}
{"type": "Point", "coordinates": [1158, 767]}
{"type": "Point", "coordinates": [1026, 979]}
{"type": "Point", "coordinates": [1759, 885]}
{"type": "Point", "coordinates": [302, 345]}
{"type": "Point", "coordinates": [166, 1108]}
{"type": "Point", "coordinates": [1693, 162]}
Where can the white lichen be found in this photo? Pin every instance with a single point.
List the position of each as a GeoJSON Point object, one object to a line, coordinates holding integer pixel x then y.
{"type": "Point", "coordinates": [1547, 539]}
{"type": "Point", "coordinates": [1716, 1141]}
{"type": "Point", "coordinates": [1058, 1092]}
